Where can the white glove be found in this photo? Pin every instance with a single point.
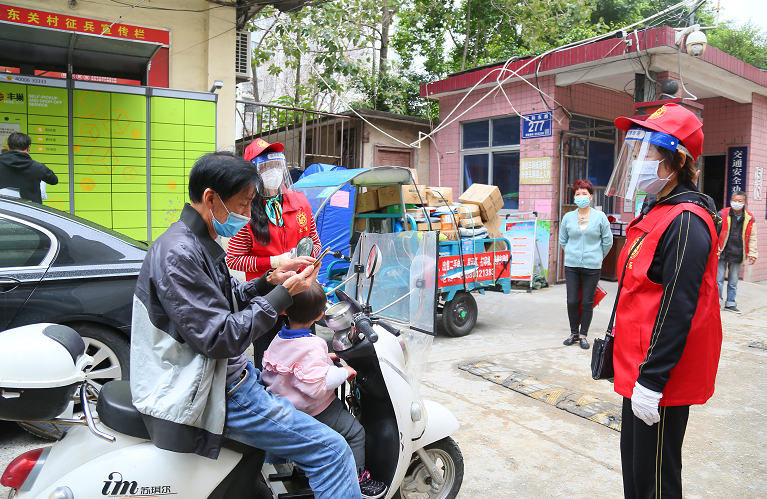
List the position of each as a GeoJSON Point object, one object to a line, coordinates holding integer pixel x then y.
{"type": "Point", "coordinates": [276, 260]}
{"type": "Point", "coordinates": [644, 403]}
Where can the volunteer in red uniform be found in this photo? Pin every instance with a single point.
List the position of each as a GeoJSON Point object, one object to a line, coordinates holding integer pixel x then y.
{"type": "Point", "coordinates": [279, 219]}
{"type": "Point", "coordinates": [668, 332]}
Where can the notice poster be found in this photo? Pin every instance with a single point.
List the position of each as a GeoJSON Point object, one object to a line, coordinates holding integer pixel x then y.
{"type": "Point", "coordinates": [542, 238]}
{"type": "Point", "coordinates": [521, 235]}
{"type": "Point", "coordinates": [534, 171]}
{"type": "Point", "coordinates": [7, 129]}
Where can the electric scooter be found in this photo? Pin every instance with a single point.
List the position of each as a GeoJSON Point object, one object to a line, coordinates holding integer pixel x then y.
{"type": "Point", "coordinates": [109, 454]}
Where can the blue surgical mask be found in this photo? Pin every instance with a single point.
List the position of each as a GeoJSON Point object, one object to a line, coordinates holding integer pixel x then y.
{"type": "Point", "coordinates": [234, 222]}
{"type": "Point", "coordinates": [582, 201]}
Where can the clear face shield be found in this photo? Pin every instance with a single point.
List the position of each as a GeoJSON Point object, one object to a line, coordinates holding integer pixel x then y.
{"type": "Point", "coordinates": [638, 163]}
{"type": "Point", "coordinates": [273, 170]}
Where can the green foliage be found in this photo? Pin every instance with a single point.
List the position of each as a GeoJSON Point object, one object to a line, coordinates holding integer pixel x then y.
{"type": "Point", "coordinates": [747, 42]}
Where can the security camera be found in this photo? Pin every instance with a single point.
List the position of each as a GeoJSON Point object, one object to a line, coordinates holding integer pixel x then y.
{"type": "Point", "coordinates": [217, 85]}
{"type": "Point", "coordinates": [696, 43]}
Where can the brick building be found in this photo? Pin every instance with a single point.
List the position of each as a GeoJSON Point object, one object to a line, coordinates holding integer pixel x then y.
{"type": "Point", "coordinates": [481, 137]}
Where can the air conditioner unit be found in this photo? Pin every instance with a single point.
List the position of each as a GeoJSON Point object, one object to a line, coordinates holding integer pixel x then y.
{"type": "Point", "coordinates": [243, 56]}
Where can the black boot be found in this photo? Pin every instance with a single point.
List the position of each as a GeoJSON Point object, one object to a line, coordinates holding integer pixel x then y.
{"type": "Point", "coordinates": [584, 343]}
{"type": "Point", "coordinates": [571, 339]}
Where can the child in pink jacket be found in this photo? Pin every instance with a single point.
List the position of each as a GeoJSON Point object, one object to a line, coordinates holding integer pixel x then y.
{"type": "Point", "coordinates": [298, 367]}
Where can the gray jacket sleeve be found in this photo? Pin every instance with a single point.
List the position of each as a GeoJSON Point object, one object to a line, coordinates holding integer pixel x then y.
{"type": "Point", "coordinates": [200, 311]}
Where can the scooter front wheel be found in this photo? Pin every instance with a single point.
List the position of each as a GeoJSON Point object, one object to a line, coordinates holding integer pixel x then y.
{"type": "Point", "coordinates": [418, 484]}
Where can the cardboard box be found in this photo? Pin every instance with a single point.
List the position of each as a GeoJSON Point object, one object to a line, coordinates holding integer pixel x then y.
{"type": "Point", "coordinates": [493, 226]}
{"type": "Point", "coordinates": [449, 235]}
{"type": "Point", "coordinates": [487, 197]}
{"type": "Point", "coordinates": [360, 224]}
{"type": "Point", "coordinates": [367, 202]}
{"type": "Point", "coordinates": [424, 227]}
{"type": "Point", "coordinates": [470, 223]}
{"type": "Point", "coordinates": [388, 196]}
{"type": "Point", "coordinates": [496, 246]}
{"type": "Point", "coordinates": [467, 211]}
{"type": "Point", "coordinates": [433, 197]}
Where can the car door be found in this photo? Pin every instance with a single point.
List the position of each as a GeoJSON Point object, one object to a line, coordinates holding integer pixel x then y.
{"type": "Point", "coordinates": [26, 252]}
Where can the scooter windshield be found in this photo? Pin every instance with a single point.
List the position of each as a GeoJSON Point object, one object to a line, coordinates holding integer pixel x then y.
{"type": "Point", "coordinates": [405, 288]}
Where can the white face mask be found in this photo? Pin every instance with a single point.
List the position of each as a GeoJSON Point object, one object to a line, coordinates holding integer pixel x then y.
{"type": "Point", "coordinates": [272, 179]}
{"type": "Point", "coordinates": [648, 180]}
{"type": "Point", "coordinates": [737, 206]}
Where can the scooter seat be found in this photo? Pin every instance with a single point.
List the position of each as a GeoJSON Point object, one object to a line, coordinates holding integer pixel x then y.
{"type": "Point", "coordinates": [116, 411]}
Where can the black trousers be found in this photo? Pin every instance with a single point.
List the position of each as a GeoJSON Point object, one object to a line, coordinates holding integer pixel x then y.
{"type": "Point", "coordinates": [651, 456]}
{"type": "Point", "coordinates": [577, 279]}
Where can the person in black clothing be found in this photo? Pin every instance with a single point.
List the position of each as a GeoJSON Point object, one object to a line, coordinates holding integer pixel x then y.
{"type": "Point", "coordinates": [667, 326]}
{"type": "Point", "coordinates": [18, 170]}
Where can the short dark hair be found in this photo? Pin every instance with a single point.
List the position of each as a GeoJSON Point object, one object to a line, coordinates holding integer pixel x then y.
{"type": "Point", "coordinates": [308, 305]}
{"type": "Point", "coordinates": [583, 184]}
{"type": "Point", "coordinates": [223, 172]}
{"type": "Point", "coordinates": [18, 141]}
{"type": "Point", "coordinates": [739, 193]}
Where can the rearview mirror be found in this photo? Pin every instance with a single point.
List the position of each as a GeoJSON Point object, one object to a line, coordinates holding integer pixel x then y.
{"type": "Point", "coordinates": [304, 247]}
{"type": "Point", "coordinates": [375, 258]}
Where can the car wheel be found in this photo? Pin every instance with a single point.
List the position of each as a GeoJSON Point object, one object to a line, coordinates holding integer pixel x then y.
{"type": "Point", "coordinates": [111, 358]}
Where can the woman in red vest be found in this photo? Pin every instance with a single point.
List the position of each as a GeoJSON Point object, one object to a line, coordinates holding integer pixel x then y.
{"type": "Point", "coordinates": [279, 219]}
{"type": "Point", "coordinates": [668, 333]}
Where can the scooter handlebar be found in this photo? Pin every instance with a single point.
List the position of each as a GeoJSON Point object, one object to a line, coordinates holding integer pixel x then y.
{"type": "Point", "coordinates": [364, 325]}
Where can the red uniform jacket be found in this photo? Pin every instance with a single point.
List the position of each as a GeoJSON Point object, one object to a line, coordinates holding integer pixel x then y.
{"type": "Point", "coordinates": [244, 253]}
{"type": "Point", "coordinates": [691, 381]}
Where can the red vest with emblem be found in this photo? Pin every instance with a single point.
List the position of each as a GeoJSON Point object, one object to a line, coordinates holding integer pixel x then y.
{"type": "Point", "coordinates": [747, 227]}
{"type": "Point", "coordinates": [692, 379]}
{"type": "Point", "coordinates": [296, 217]}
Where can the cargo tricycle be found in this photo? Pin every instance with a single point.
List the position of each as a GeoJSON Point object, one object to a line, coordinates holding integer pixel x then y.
{"type": "Point", "coordinates": [464, 265]}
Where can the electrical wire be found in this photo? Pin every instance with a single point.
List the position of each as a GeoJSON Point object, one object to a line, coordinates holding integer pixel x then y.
{"type": "Point", "coordinates": [108, 28]}
{"type": "Point", "coordinates": [500, 72]}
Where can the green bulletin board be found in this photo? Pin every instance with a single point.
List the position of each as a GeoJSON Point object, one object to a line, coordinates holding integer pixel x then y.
{"type": "Point", "coordinates": [111, 163]}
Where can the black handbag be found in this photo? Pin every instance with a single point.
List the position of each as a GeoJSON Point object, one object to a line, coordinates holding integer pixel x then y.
{"type": "Point", "coordinates": [602, 353]}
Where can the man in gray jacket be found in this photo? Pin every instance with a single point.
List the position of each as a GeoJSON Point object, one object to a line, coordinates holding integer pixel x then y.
{"type": "Point", "coordinates": [192, 322]}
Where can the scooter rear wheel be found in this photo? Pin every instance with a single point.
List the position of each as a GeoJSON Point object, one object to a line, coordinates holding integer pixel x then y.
{"type": "Point", "coordinates": [418, 482]}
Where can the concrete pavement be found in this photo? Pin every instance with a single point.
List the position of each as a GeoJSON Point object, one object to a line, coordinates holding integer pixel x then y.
{"type": "Point", "coordinates": [516, 446]}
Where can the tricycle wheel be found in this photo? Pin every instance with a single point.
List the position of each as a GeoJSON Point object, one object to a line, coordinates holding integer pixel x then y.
{"type": "Point", "coordinates": [460, 314]}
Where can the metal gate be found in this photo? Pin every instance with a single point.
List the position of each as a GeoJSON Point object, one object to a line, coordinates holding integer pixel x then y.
{"type": "Point", "coordinates": [574, 149]}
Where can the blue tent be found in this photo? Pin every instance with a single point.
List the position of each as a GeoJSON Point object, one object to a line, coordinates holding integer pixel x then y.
{"type": "Point", "coordinates": [334, 222]}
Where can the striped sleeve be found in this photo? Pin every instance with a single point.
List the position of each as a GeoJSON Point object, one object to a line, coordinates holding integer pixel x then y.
{"type": "Point", "coordinates": [237, 252]}
{"type": "Point", "coordinates": [315, 238]}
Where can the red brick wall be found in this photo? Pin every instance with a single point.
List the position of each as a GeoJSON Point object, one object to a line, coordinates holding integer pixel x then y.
{"type": "Point", "coordinates": [580, 99]}
{"type": "Point", "coordinates": [727, 123]}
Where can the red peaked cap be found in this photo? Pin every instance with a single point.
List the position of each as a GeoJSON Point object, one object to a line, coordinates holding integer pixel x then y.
{"type": "Point", "coordinates": [259, 146]}
{"type": "Point", "coordinates": [674, 120]}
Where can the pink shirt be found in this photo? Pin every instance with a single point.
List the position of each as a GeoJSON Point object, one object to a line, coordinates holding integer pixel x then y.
{"type": "Point", "coordinates": [296, 367]}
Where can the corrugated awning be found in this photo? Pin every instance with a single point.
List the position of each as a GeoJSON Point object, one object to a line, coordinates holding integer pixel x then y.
{"type": "Point", "coordinates": [51, 49]}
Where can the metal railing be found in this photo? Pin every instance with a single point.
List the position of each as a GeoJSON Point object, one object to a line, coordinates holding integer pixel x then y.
{"type": "Point", "coordinates": [309, 136]}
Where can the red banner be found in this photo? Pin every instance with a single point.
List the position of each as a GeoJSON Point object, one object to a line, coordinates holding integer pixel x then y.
{"type": "Point", "coordinates": [67, 22]}
{"type": "Point", "coordinates": [476, 267]}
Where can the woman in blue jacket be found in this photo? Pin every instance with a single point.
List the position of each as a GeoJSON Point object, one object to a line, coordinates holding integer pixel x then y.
{"type": "Point", "coordinates": [586, 238]}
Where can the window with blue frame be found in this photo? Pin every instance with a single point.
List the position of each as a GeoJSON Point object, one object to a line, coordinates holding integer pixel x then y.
{"type": "Point", "coordinates": [490, 155]}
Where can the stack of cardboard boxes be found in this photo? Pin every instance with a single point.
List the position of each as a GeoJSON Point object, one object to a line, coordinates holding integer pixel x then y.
{"type": "Point", "coordinates": [478, 207]}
